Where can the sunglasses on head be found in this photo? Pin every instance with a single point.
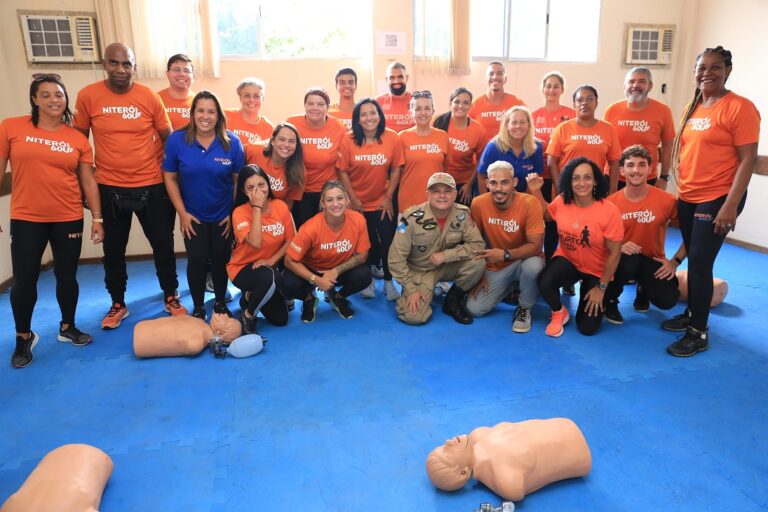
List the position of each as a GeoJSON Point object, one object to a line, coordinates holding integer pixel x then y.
{"type": "Point", "coordinates": [421, 94]}
{"type": "Point", "coordinates": [40, 77]}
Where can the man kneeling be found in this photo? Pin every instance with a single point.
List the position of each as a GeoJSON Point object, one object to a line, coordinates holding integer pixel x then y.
{"type": "Point", "coordinates": [436, 241]}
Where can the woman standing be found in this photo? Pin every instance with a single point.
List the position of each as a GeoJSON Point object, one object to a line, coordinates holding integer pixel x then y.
{"type": "Point", "coordinates": [330, 250]}
{"type": "Point", "coordinates": [591, 233]}
{"type": "Point", "coordinates": [515, 143]}
{"type": "Point", "coordinates": [717, 148]}
{"type": "Point", "coordinates": [321, 137]}
{"type": "Point", "coordinates": [585, 136]}
{"type": "Point", "coordinates": [424, 149]}
{"type": "Point", "coordinates": [247, 122]}
{"type": "Point", "coordinates": [200, 170]}
{"type": "Point", "coordinates": [465, 143]}
{"type": "Point", "coordinates": [263, 228]}
{"type": "Point", "coordinates": [282, 159]}
{"type": "Point", "coordinates": [545, 120]}
{"type": "Point", "coordinates": [51, 163]}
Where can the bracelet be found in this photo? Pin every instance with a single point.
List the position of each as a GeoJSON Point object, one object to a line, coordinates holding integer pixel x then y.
{"type": "Point", "coordinates": [256, 206]}
{"type": "Point", "coordinates": [678, 260]}
{"type": "Point", "coordinates": [95, 213]}
{"type": "Point", "coordinates": [312, 280]}
{"type": "Point", "coordinates": [97, 220]}
{"type": "Point", "coordinates": [664, 177]}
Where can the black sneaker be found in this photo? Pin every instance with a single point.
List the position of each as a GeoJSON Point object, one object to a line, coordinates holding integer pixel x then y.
{"type": "Point", "coordinates": [689, 344]}
{"type": "Point", "coordinates": [248, 323]}
{"type": "Point", "coordinates": [612, 313]}
{"type": "Point", "coordinates": [22, 356]}
{"type": "Point", "coordinates": [199, 312]}
{"type": "Point", "coordinates": [221, 307]}
{"type": "Point", "coordinates": [641, 303]}
{"type": "Point", "coordinates": [74, 336]}
{"type": "Point", "coordinates": [341, 305]}
{"type": "Point", "coordinates": [678, 323]}
{"type": "Point", "coordinates": [308, 307]}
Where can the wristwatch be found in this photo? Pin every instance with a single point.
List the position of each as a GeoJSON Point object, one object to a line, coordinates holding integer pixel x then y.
{"type": "Point", "coordinates": [602, 286]}
{"type": "Point", "coordinates": [664, 177]}
{"type": "Point", "coordinates": [507, 255]}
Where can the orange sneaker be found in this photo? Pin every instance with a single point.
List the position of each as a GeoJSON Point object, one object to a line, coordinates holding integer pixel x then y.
{"type": "Point", "coordinates": [174, 307]}
{"type": "Point", "coordinates": [559, 319]}
{"type": "Point", "coordinates": [114, 317]}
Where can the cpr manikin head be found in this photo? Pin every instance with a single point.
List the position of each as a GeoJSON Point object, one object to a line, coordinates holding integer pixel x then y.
{"type": "Point", "coordinates": [225, 327]}
{"type": "Point", "coordinates": [450, 466]}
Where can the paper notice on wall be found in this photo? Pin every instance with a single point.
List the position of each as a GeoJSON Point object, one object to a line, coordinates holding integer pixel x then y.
{"type": "Point", "coordinates": [390, 43]}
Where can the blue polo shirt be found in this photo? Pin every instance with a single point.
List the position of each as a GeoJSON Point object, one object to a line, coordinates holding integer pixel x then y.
{"type": "Point", "coordinates": [522, 164]}
{"type": "Point", "coordinates": [205, 175]}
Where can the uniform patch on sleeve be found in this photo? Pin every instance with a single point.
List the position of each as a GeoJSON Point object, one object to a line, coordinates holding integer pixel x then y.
{"type": "Point", "coordinates": [242, 225]}
{"type": "Point", "coordinates": [402, 227]}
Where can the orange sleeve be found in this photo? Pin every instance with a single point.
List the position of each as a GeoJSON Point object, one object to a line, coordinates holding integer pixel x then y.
{"type": "Point", "coordinates": [555, 147]}
{"type": "Point", "coordinates": [242, 221]}
{"type": "Point", "coordinates": [534, 221]}
{"type": "Point", "coordinates": [302, 242]}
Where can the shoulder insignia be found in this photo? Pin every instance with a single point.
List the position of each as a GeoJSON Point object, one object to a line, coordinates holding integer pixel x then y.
{"type": "Point", "coordinates": [402, 227]}
{"type": "Point", "coordinates": [429, 225]}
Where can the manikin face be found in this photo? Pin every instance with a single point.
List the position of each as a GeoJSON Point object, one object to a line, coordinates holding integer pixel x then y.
{"type": "Point", "coordinates": [334, 203]}
{"type": "Point", "coordinates": [552, 89]}
{"type": "Point", "coordinates": [120, 65]}
{"type": "Point", "coordinates": [316, 108]}
{"type": "Point", "coordinates": [582, 181]}
{"type": "Point", "coordinates": [496, 76]}
{"type": "Point", "coordinates": [181, 75]}
{"type": "Point", "coordinates": [346, 85]}
{"type": "Point", "coordinates": [460, 105]}
{"type": "Point", "coordinates": [441, 198]}
{"type": "Point", "coordinates": [251, 97]}
{"type": "Point", "coordinates": [518, 125]}
{"type": "Point", "coordinates": [585, 104]}
{"type": "Point", "coordinates": [369, 118]}
{"type": "Point", "coordinates": [711, 73]}
{"type": "Point", "coordinates": [397, 79]}
{"type": "Point", "coordinates": [635, 170]}
{"type": "Point", "coordinates": [50, 99]}
{"type": "Point", "coordinates": [284, 143]}
{"type": "Point", "coordinates": [205, 116]}
{"type": "Point", "coordinates": [637, 86]}
{"type": "Point", "coordinates": [422, 111]}
{"type": "Point", "coordinates": [501, 185]}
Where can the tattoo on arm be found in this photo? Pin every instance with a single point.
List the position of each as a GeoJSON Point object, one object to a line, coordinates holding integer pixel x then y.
{"type": "Point", "coordinates": [351, 263]}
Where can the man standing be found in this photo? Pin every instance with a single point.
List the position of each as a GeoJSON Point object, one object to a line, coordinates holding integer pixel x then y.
{"type": "Point", "coordinates": [513, 227]}
{"type": "Point", "coordinates": [177, 97]}
{"type": "Point", "coordinates": [396, 103]}
{"type": "Point", "coordinates": [488, 108]}
{"type": "Point", "coordinates": [645, 121]}
{"type": "Point", "coordinates": [435, 241]}
{"type": "Point", "coordinates": [346, 85]}
{"type": "Point", "coordinates": [645, 212]}
{"type": "Point", "coordinates": [126, 118]}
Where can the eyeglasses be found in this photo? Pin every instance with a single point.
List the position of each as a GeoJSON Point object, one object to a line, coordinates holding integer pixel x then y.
{"type": "Point", "coordinates": [185, 71]}
{"type": "Point", "coordinates": [588, 99]}
{"type": "Point", "coordinates": [421, 94]}
{"type": "Point", "coordinates": [40, 77]}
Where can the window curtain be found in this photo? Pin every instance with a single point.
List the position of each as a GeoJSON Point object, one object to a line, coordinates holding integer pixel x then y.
{"type": "Point", "coordinates": [145, 26]}
{"type": "Point", "coordinates": [441, 36]}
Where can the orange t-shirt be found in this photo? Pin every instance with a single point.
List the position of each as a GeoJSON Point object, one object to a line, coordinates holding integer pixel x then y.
{"type": "Point", "coordinates": [464, 149]}
{"type": "Point", "coordinates": [248, 133]}
{"type": "Point", "coordinates": [397, 111]}
{"type": "Point", "coordinates": [177, 110]}
{"type": "Point", "coordinates": [44, 167]}
{"type": "Point", "coordinates": [321, 248]}
{"type": "Point", "coordinates": [708, 158]}
{"type": "Point", "coordinates": [124, 128]}
{"type": "Point", "coordinates": [276, 228]}
{"type": "Point", "coordinates": [545, 122]}
{"type": "Point", "coordinates": [321, 150]}
{"type": "Point", "coordinates": [510, 228]}
{"type": "Point", "coordinates": [254, 154]}
{"type": "Point", "coordinates": [648, 127]}
{"type": "Point", "coordinates": [489, 115]}
{"type": "Point", "coordinates": [598, 143]}
{"type": "Point", "coordinates": [368, 166]}
{"type": "Point", "coordinates": [583, 232]}
{"type": "Point", "coordinates": [645, 221]}
{"type": "Point", "coordinates": [424, 156]}
{"type": "Point", "coordinates": [344, 117]}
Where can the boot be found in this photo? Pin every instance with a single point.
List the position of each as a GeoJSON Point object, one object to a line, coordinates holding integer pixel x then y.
{"type": "Point", "coordinates": [454, 305]}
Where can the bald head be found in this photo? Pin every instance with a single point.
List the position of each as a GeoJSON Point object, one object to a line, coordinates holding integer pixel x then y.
{"type": "Point", "coordinates": [120, 65]}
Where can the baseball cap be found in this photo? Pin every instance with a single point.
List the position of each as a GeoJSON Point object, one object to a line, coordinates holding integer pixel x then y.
{"type": "Point", "coordinates": [441, 178]}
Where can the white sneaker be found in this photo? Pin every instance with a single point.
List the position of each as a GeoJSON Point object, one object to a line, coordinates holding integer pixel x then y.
{"type": "Point", "coordinates": [370, 291]}
{"type": "Point", "coordinates": [390, 292]}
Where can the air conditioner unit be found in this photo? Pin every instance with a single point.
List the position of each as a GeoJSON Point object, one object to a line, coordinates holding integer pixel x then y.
{"type": "Point", "coordinates": [649, 45]}
{"type": "Point", "coordinates": [60, 38]}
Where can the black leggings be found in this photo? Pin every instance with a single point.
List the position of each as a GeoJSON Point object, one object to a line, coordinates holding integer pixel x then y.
{"type": "Point", "coordinates": [157, 218]}
{"type": "Point", "coordinates": [560, 272]}
{"type": "Point", "coordinates": [263, 283]}
{"type": "Point", "coordinates": [28, 242]}
{"type": "Point", "coordinates": [306, 208]}
{"type": "Point", "coordinates": [380, 233]}
{"type": "Point", "coordinates": [702, 245]}
{"type": "Point", "coordinates": [662, 293]}
{"type": "Point", "coordinates": [207, 247]}
{"type": "Point", "coordinates": [351, 282]}
{"type": "Point", "coordinates": [551, 238]}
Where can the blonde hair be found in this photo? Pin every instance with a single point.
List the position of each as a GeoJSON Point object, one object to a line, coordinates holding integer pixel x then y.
{"type": "Point", "coordinates": [503, 139]}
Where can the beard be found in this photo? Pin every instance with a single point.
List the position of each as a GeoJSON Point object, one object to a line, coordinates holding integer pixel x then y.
{"type": "Point", "coordinates": [397, 89]}
{"type": "Point", "coordinates": [637, 97]}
